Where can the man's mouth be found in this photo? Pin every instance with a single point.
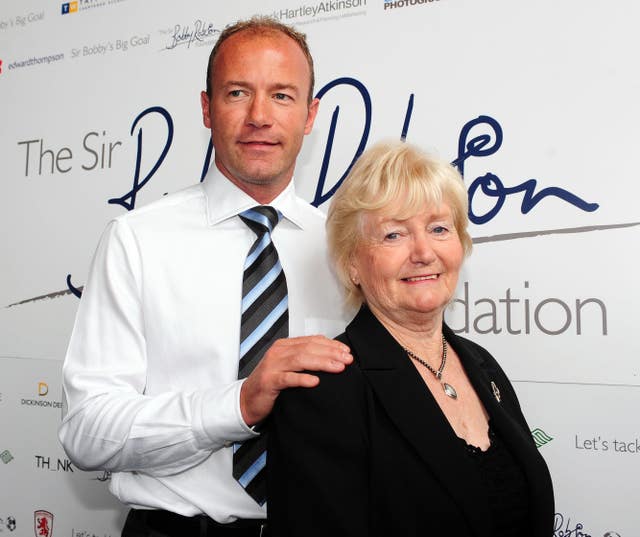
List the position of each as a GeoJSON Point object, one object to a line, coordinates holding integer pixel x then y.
{"type": "Point", "coordinates": [259, 143]}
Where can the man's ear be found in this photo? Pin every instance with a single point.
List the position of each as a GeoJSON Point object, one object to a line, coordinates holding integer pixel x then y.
{"type": "Point", "coordinates": [204, 103]}
{"type": "Point", "coordinates": [311, 115]}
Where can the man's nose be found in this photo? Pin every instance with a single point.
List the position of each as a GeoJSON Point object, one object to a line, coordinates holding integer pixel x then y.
{"type": "Point", "coordinates": [259, 112]}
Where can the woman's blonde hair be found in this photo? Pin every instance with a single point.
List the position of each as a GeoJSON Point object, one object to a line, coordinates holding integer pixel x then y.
{"type": "Point", "coordinates": [390, 176]}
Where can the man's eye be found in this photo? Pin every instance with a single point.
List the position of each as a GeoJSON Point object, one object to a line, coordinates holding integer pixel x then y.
{"type": "Point", "coordinates": [235, 93]}
{"type": "Point", "coordinates": [281, 96]}
{"type": "Point", "coordinates": [392, 236]}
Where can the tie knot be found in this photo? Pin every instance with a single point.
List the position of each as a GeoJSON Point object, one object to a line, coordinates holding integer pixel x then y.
{"type": "Point", "coordinates": [261, 219]}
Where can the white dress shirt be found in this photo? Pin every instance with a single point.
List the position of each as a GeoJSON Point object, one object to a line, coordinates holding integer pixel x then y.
{"type": "Point", "coordinates": [150, 377]}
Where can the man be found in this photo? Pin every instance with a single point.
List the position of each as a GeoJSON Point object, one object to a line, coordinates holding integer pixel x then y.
{"type": "Point", "coordinates": [151, 375]}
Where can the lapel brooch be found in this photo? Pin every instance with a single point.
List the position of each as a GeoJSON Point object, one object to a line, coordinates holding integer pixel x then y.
{"type": "Point", "coordinates": [496, 391]}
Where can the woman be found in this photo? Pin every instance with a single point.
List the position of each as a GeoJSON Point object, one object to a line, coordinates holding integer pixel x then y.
{"type": "Point", "coordinates": [423, 433]}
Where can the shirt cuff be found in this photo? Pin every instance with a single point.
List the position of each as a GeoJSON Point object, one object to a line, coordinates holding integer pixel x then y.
{"type": "Point", "coordinates": [220, 422]}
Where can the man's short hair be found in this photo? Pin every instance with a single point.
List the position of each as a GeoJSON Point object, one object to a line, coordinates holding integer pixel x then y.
{"type": "Point", "coordinates": [262, 25]}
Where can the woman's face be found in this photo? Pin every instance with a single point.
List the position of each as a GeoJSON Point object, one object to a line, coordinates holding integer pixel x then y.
{"type": "Point", "coordinates": [408, 267]}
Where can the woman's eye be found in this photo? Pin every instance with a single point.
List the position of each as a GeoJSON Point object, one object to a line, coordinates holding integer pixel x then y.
{"type": "Point", "coordinates": [439, 230]}
{"type": "Point", "coordinates": [392, 236]}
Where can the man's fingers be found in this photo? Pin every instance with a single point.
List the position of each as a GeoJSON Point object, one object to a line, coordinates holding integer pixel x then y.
{"type": "Point", "coordinates": [317, 362]}
{"type": "Point", "coordinates": [286, 365]}
{"type": "Point", "coordinates": [310, 352]}
{"type": "Point", "coordinates": [297, 380]}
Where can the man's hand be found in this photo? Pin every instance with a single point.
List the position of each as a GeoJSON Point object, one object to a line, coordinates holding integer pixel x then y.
{"type": "Point", "coordinates": [281, 367]}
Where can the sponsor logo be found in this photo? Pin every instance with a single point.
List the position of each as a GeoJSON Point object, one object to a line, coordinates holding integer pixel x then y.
{"type": "Point", "coordinates": [321, 11]}
{"type": "Point", "coordinates": [106, 47]}
{"type": "Point", "coordinates": [541, 438]}
{"type": "Point", "coordinates": [20, 21]}
{"type": "Point", "coordinates": [86, 533]}
{"type": "Point", "coordinates": [6, 456]}
{"type": "Point", "coordinates": [43, 391]}
{"type": "Point", "coordinates": [8, 523]}
{"type": "Point", "coordinates": [42, 523]}
{"type": "Point", "coordinates": [41, 403]}
{"type": "Point", "coordinates": [69, 7]}
{"type": "Point", "coordinates": [59, 465]}
{"type": "Point", "coordinates": [396, 4]}
{"type": "Point", "coordinates": [82, 5]}
{"type": "Point", "coordinates": [35, 60]}
{"type": "Point", "coordinates": [564, 527]}
{"type": "Point", "coordinates": [200, 34]}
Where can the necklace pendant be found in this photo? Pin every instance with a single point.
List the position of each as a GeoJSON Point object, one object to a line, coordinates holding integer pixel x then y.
{"type": "Point", "coordinates": [449, 390]}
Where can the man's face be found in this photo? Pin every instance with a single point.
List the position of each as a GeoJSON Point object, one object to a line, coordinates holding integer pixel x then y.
{"type": "Point", "coordinates": [258, 111]}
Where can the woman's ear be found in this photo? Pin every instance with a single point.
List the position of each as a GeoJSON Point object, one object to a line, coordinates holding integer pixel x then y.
{"type": "Point", "coordinates": [353, 273]}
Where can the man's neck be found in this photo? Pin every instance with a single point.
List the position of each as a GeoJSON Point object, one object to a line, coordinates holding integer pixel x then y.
{"type": "Point", "coordinates": [263, 193]}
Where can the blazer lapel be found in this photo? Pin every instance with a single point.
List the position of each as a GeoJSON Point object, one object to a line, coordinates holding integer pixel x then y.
{"type": "Point", "coordinates": [485, 379]}
{"type": "Point", "coordinates": [410, 405]}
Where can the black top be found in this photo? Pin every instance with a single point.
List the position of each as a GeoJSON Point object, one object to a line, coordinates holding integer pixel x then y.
{"type": "Point", "coordinates": [505, 484]}
{"type": "Point", "coordinates": [369, 453]}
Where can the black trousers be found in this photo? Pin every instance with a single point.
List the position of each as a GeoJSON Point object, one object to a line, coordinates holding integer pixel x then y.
{"type": "Point", "coordinates": [150, 523]}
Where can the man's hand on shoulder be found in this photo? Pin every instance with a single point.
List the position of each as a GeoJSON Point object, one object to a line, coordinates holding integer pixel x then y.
{"type": "Point", "coordinates": [281, 368]}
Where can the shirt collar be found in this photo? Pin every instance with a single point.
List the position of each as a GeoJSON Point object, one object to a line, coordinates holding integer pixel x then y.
{"type": "Point", "coordinates": [225, 200]}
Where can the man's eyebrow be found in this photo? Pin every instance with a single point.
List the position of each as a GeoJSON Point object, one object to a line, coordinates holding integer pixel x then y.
{"type": "Point", "coordinates": [291, 87]}
{"type": "Point", "coordinates": [273, 87]}
{"type": "Point", "coordinates": [236, 83]}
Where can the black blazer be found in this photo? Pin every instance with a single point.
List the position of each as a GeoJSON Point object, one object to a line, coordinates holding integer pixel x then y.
{"type": "Point", "coordinates": [369, 452]}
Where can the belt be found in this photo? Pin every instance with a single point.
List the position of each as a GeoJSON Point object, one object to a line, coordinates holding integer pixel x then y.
{"type": "Point", "coordinates": [166, 523]}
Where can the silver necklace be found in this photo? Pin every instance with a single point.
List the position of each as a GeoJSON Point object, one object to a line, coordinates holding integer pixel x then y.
{"type": "Point", "coordinates": [448, 389]}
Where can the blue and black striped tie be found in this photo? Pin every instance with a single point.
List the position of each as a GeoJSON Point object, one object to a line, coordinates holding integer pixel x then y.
{"type": "Point", "coordinates": [265, 318]}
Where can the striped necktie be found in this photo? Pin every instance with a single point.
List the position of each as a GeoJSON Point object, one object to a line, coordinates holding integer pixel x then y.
{"type": "Point", "coordinates": [265, 318]}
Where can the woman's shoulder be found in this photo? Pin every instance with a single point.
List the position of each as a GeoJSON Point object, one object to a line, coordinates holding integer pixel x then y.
{"type": "Point", "coordinates": [334, 393]}
{"type": "Point", "coordinates": [343, 338]}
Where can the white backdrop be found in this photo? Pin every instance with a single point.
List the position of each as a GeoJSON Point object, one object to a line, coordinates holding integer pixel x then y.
{"type": "Point", "coordinates": [535, 101]}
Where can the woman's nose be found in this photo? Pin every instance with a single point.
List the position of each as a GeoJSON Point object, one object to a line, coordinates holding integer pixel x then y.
{"type": "Point", "coordinates": [422, 250]}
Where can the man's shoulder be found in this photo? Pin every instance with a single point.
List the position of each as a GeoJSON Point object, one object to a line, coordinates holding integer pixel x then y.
{"type": "Point", "coordinates": [188, 201]}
